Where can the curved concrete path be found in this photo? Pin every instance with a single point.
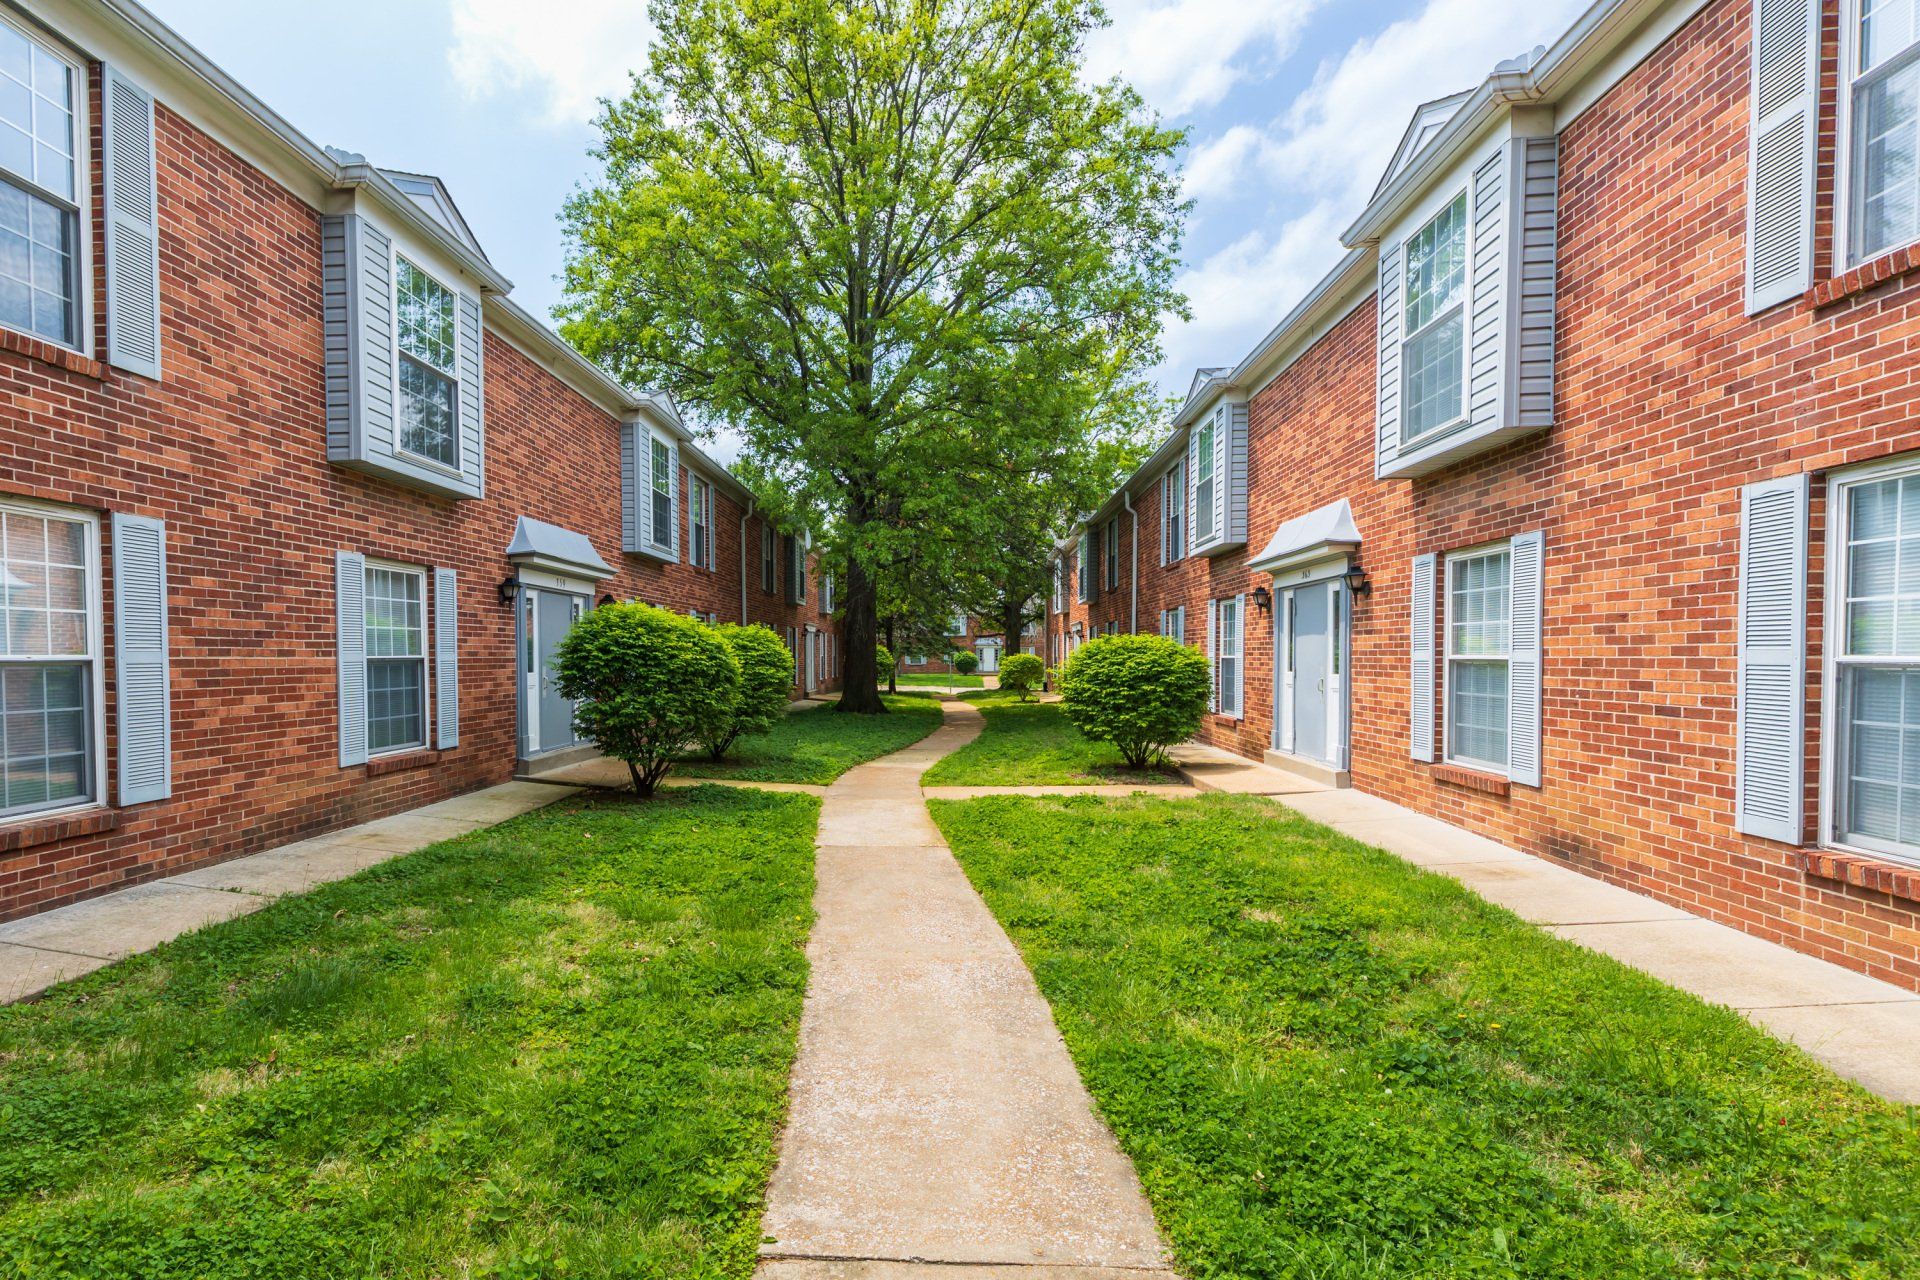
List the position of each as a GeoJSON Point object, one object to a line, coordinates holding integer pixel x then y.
{"type": "Point", "coordinates": [937, 1120]}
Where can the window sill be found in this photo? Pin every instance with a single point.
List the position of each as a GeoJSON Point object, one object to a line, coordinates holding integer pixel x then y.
{"type": "Point", "coordinates": [1864, 278]}
{"type": "Point", "coordinates": [1224, 720]}
{"type": "Point", "coordinates": [1863, 873]}
{"type": "Point", "coordinates": [401, 762]}
{"type": "Point", "coordinates": [1454, 775]}
{"type": "Point", "coordinates": [52, 353]}
{"type": "Point", "coordinates": [31, 831]}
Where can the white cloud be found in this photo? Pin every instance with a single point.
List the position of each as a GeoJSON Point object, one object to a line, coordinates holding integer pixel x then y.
{"type": "Point", "coordinates": [570, 61]}
{"type": "Point", "coordinates": [1216, 167]}
{"type": "Point", "coordinates": [1186, 54]}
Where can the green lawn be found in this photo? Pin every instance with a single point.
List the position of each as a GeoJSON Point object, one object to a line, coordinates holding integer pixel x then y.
{"type": "Point", "coordinates": [1326, 1063]}
{"type": "Point", "coordinates": [557, 1047]}
{"type": "Point", "coordinates": [1032, 744]}
{"type": "Point", "coordinates": [819, 744]}
{"type": "Point", "coordinates": [923, 680]}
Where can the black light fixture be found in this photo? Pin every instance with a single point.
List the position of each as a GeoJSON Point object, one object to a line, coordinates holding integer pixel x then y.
{"type": "Point", "coordinates": [1357, 583]}
{"type": "Point", "coordinates": [508, 588]}
{"type": "Point", "coordinates": [607, 598]}
{"type": "Point", "coordinates": [1262, 599]}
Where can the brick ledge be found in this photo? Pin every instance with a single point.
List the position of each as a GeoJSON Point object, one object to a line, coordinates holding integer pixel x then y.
{"type": "Point", "coordinates": [28, 834]}
{"type": "Point", "coordinates": [1864, 873]}
{"type": "Point", "coordinates": [1868, 275]}
{"type": "Point", "coordinates": [59, 357]}
{"type": "Point", "coordinates": [380, 766]}
{"type": "Point", "coordinates": [1472, 779]}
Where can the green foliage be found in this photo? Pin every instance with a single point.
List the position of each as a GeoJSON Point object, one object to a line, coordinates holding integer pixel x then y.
{"type": "Point", "coordinates": [817, 745]}
{"type": "Point", "coordinates": [1325, 1062]}
{"type": "Point", "coordinates": [1141, 693]}
{"type": "Point", "coordinates": [883, 659]}
{"type": "Point", "coordinates": [1031, 744]}
{"type": "Point", "coordinates": [766, 679]}
{"type": "Point", "coordinates": [931, 680]}
{"type": "Point", "coordinates": [1022, 673]}
{"type": "Point", "coordinates": [965, 662]}
{"type": "Point", "coordinates": [915, 257]}
{"type": "Point", "coordinates": [558, 1047]}
{"type": "Point", "coordinates": [648, 684]}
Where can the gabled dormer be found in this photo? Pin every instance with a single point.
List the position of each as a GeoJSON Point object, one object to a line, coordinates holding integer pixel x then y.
{"type": "Point", "coordinates": [1465, 232]}
{"type": "Point", "coordinates": [404, 280]}
{"type": "Point", "coordinates": [1428, 118]}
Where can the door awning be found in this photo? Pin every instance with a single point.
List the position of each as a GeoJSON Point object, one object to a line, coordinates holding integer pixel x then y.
{"type": "Point", "coordinates": [539, 545]}
{"type": "Point", "coordinates": [1317, 535]}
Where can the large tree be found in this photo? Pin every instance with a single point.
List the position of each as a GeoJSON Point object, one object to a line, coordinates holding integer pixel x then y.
{"type": "Point", "coordinates": [854, 231]}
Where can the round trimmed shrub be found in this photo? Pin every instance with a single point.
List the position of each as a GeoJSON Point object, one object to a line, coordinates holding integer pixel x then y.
{"type": "Point", "coordinates": [965, 663]}
{"type": "Point", "coordinates": [883, 660]}
{"type": "Point", "coordinates": [647, 685]}
{"type": "Point", "coordinates": [1023, 673]}
{"type": "Point", "coordinates": [1141, 693]}
{"type": "Point", "coordinates": [766, 678]}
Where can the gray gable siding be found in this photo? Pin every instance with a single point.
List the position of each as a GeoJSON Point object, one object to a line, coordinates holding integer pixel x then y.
{"type": "Point", "coordinates": [1387, 416]}
{"type": "Point", "coordinates": [1536, 224]}
{"type": "Point", "coordinates": [1488, 307]}
{"type": "Point", "coordinates": [358, 335]}
{"type": "Point", "coordinates": [629, 488]}
{"type": "Point", "coordinates": [1236, 521]}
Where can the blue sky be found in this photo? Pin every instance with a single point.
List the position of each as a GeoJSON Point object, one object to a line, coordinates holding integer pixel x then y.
{"type": "Point", "coordinates": [1293, 107]}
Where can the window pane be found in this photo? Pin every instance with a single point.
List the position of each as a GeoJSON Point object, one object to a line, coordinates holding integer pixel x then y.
{"type": "Point", "coordinates": [428, 427]}
{"type": "Point", "coordinates": [1886, 28]}
{"type": "Point", "coordinates": [1882, 570]}
{"type": "Point", "coordinates": [395, 613]}
{"type": "Point", "coordinates": [36, 114]}
{"type": "Point", "coordinates": [43, 587]}
{"type": "Point", "coordinates": [1478, 608]}
{"type": "Point", "coordinates": [45, 736]}
{"type": "Point", "coordinates": [396, 703]}
{"type": "Point", "coordinates": [36, 264]}
{"type": "Point", "coordinates": [1477, 712]}
{"type": "Point", "coordinates": [426, 317]}
{"type": "Point", "coordinates": [1882, 782]}
{"type": "Point", "coordinates": [1435, 370]}
{"type": "Point", "coordinates": [1886, 147]}
{"type": "Point", "coordinates": [1437, 265]}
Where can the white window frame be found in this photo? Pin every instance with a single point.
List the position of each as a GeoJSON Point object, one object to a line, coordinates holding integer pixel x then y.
{"type": "Point", "coordinates": [1173, 623]}
{"type": "Point", "coordinates": [394, 255]}
{"type": "Point", "coordinates": [1444, 575]}
{"type": "Point", "coordinates": [81, 205]}
{"type": "Point", "coordinates": [769, 560]}
{"type": "Point", "coordinates": [700, 531]}
{"type": "Point", "coordinates": [826, 593]}
{"type": "Point", "coordinates": [1173, 511]}
{"type": "Point", "coordinates": [1111, 553]}
{"type": "Point", "coordinates": [1219, 631]}
{"type": "Point", "coordinates": [1207, 434]}
{"type": "Point", "coordinates": [424, 576]}
{"type": "Point", "coordinates": [1832, 727]}
{"type": "Point", "coordinates": [1462, 195]}
{"type": "Point", "coordinates": [656, 444]}
{"type": "Point", "coordinates": [1083, 570]}
{"type": "Point", "coordinates": [95, 660]}
{"type": "Point", "coordinates": [1846, 197]}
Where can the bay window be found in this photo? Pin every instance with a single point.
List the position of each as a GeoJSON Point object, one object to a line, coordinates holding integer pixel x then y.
{"type": "Point", "coordinates": [39, 190]}
{"type": "Point", "coordinates": [1434, 352]}
{"type": "Point", "coordinates": [661, 470]}
{"type": "Point", "coordinates": [1478, 655]}
{"type": "Point", "coordinates": [1203, 484]}
{"type": "Point", "coordinates": [396, 616]}
{"type": "Point", "coordinates": [428, 375]}
{"type": "Point", "coordinates": [49, 650]}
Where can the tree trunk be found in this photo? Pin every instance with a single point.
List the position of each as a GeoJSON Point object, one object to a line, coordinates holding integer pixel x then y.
{"type": "Point", "coordinates": [1012, 613]}
{"type": "Point", "coordinates": [859, 632]}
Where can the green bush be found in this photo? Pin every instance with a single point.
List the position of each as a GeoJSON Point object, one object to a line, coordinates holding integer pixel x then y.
{"type": "Point", "coordinates": [965, 663]}
{"type": "Point", "coordinates": [1023, 673]}
{"type": "Point", "coordinates": [647, 685]}
{"type": "Point", "coordinates": [766, 678]}
{"type": "Point", "coordinates": [883, 661]}
{"type": "Point", "coordinates": [1141, 693]}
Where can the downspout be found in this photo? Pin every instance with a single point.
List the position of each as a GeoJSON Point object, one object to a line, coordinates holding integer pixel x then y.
{"type": "Point", "coordinates": [752, 501]}
{"type": "Point", "coordinates": [1133, 618]}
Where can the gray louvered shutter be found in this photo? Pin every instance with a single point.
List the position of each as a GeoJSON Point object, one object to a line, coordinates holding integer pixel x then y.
{"type": "Point", "coordinates": [1213, 655]}
{"type": "Point", "coordinates": [446, 657]}
{"type": "Point", "coordinates": [473, 382]}
{"type": "Point", "coordinates": [1781, 150]}
{"type": "Point", "coordinates": [1526, 557]}
{"type": "Point", "coordinates": [1222, 428]}
{"type": "Point", "coordinates": [143, 718]}
{"type": "Point", "coordinates": [1420, 693]}
{"type": "Point", "coordinates": [1240, 657]}
{"type": "Point", "coordinates": [1769, 774]}
{"type": "Point", "coordinates": [631, 526]}
{"type": "Point", "coordinates": [128, 172]}
{"type": "Point", "coordinates": [1192, 496]}
{"type": "Point", "coordinates": [1387, 391]}
{"type": "Point", "coordinates": [350, 642]}
{"type": "Point", "coordinates": [673, 498]}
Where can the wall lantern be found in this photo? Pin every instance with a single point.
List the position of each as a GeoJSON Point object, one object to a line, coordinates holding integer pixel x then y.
{"type": "Point", "coordinates": [608, 598]}
{"type": "Point", "coordinates": [1263, 599]}
{"type": "Point", "coordinates": [1357, 583]}
{"type": "Point", "coordinates": [509, 587]}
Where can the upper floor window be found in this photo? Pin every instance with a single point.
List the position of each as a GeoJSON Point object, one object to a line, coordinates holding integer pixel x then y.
{"type": "Point", "coordinates": [1173, 510]}
{"type": "Point", "coordinates": [1479, 651]}
{"type": "Point", "coordinates": [769, 572]}
{"type": "Point", "coordinates": [700, 513]}
{"type": "Point", "coordinates": [1085, 572]}
{"type": "Point", "coordinates": [662, 475]}
{"type": "Point", "coordinates": [1203, 482]}
{"type": "Point", "coordinates": [429, 381]}
{"type": "Point", "coordinates": [49, 592]}
{"type": "Point", "coordinates": [39, 191]}
{"type": "Point", "coordinates": [1113, 554]}
{"type": "Point", "coordinates": [1885, 141]}
{"type": "Point", "coordinates": [1434, 354]}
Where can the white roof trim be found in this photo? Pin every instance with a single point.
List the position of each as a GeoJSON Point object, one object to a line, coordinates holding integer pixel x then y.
{"type": "Point", "coordinates": [1313, 536]}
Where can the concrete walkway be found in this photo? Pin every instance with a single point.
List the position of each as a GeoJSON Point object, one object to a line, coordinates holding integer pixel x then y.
{"type": "Point", "coordinates": [38, 951]}
{"type": "Point", "coordinates": [937, 1121]}
{"type": "Point", "coordinates": [1864, 1029]}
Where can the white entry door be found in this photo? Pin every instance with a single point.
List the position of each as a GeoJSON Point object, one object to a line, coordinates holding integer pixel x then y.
{"type": "Point", "coordinates": [989, 657]}
{"type": "Point", "coordinates": [1310, 715]}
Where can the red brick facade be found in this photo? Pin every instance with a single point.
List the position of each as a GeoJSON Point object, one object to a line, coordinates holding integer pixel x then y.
{"type": "Point", "coordinates": [1668, 399]}
{"type": "Point", "coordinates": [229, 448]}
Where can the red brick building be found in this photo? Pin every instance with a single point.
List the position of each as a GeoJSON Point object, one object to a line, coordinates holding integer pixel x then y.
{"type": "Point", "coordinates": [294, 500]}
{"type": "Point", "coordinates": [1570, 506]}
